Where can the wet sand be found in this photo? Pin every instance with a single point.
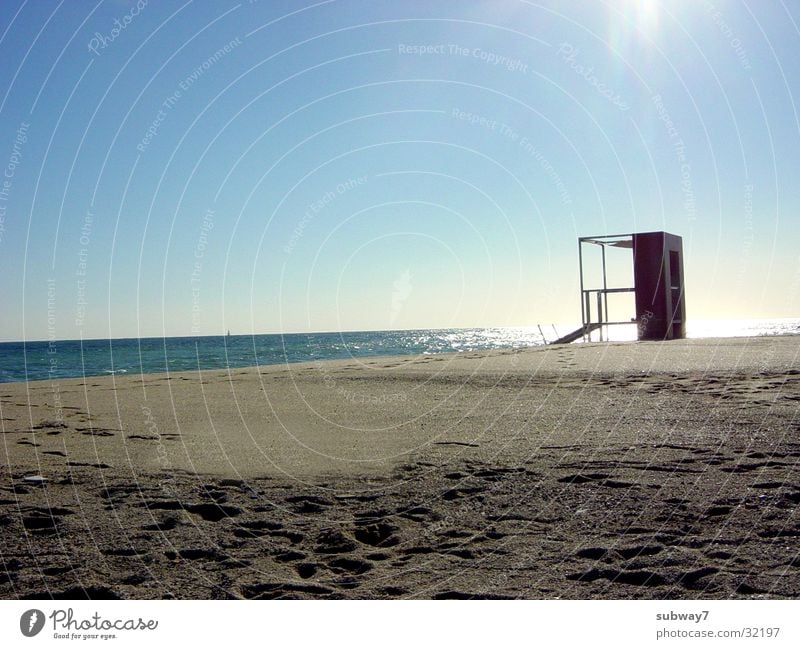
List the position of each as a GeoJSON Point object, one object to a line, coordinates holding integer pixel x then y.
{"type": "Point", "coordinates": [627, 470]}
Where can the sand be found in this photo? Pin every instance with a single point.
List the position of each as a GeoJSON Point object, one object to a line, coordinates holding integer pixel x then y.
{"type": "Point", "coordinates": [617, 470]}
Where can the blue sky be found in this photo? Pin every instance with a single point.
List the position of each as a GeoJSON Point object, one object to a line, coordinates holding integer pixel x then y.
{"type": "Point", "coordinates": [177, 168]}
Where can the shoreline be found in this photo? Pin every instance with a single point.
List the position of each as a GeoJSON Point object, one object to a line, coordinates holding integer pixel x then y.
{"type": "Point", "coordinates": [388, 357]}
{"type": "Point", "coordinates": [605, 470]}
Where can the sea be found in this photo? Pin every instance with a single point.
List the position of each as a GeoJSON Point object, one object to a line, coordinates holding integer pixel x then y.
{"type": "Point", "coordinates": [41, 360]}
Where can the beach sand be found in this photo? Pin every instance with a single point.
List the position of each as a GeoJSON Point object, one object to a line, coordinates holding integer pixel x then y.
{"type": "Point", "coordinates": [617, 470]}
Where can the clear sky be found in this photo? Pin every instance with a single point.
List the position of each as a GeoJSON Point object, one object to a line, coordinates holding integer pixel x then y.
{"type": "Point", "coordinates": [177, 168]}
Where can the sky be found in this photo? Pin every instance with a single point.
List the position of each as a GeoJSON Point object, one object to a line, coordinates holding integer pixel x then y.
{"type": "Point", "coordinates": [189, 168]}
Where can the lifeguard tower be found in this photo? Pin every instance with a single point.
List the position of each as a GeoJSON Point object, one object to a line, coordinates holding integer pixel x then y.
{"type": "Point", "coordinates": [660, 307]}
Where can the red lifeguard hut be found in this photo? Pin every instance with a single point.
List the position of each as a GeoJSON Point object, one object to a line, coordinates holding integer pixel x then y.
{"type": "Point", "coordinates": [657, 287]}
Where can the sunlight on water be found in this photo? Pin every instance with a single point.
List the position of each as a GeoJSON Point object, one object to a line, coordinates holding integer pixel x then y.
{"type": "Point", "coordinates": [63, 359]}
{"type": "Point", "coordinates": [716, 329]}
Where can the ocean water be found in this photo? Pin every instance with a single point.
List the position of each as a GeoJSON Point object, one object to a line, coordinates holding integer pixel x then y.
{"type": "Point", "coordinates": [37, 360]}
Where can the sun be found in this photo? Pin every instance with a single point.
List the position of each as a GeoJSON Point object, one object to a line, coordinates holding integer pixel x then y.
{"type": "Point", "coordinates": [646, 14]}
{"type": "Point", "coordinates": [633, 23]}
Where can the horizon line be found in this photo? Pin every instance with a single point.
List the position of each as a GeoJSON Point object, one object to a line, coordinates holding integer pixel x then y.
{"type": "Point", "coordinates": [343, 331]}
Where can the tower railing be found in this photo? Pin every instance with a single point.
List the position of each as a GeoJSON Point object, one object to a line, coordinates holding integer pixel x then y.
{"type": "Point", "coordinates": [591, 324]}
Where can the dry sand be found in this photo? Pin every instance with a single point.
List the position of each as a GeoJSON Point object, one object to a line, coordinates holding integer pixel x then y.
{"type": "Point", "coordinates": [634, 470]}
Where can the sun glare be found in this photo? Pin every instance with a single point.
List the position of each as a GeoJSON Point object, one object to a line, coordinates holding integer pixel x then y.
{"type": "Point", "coordinates": [646, 14]}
